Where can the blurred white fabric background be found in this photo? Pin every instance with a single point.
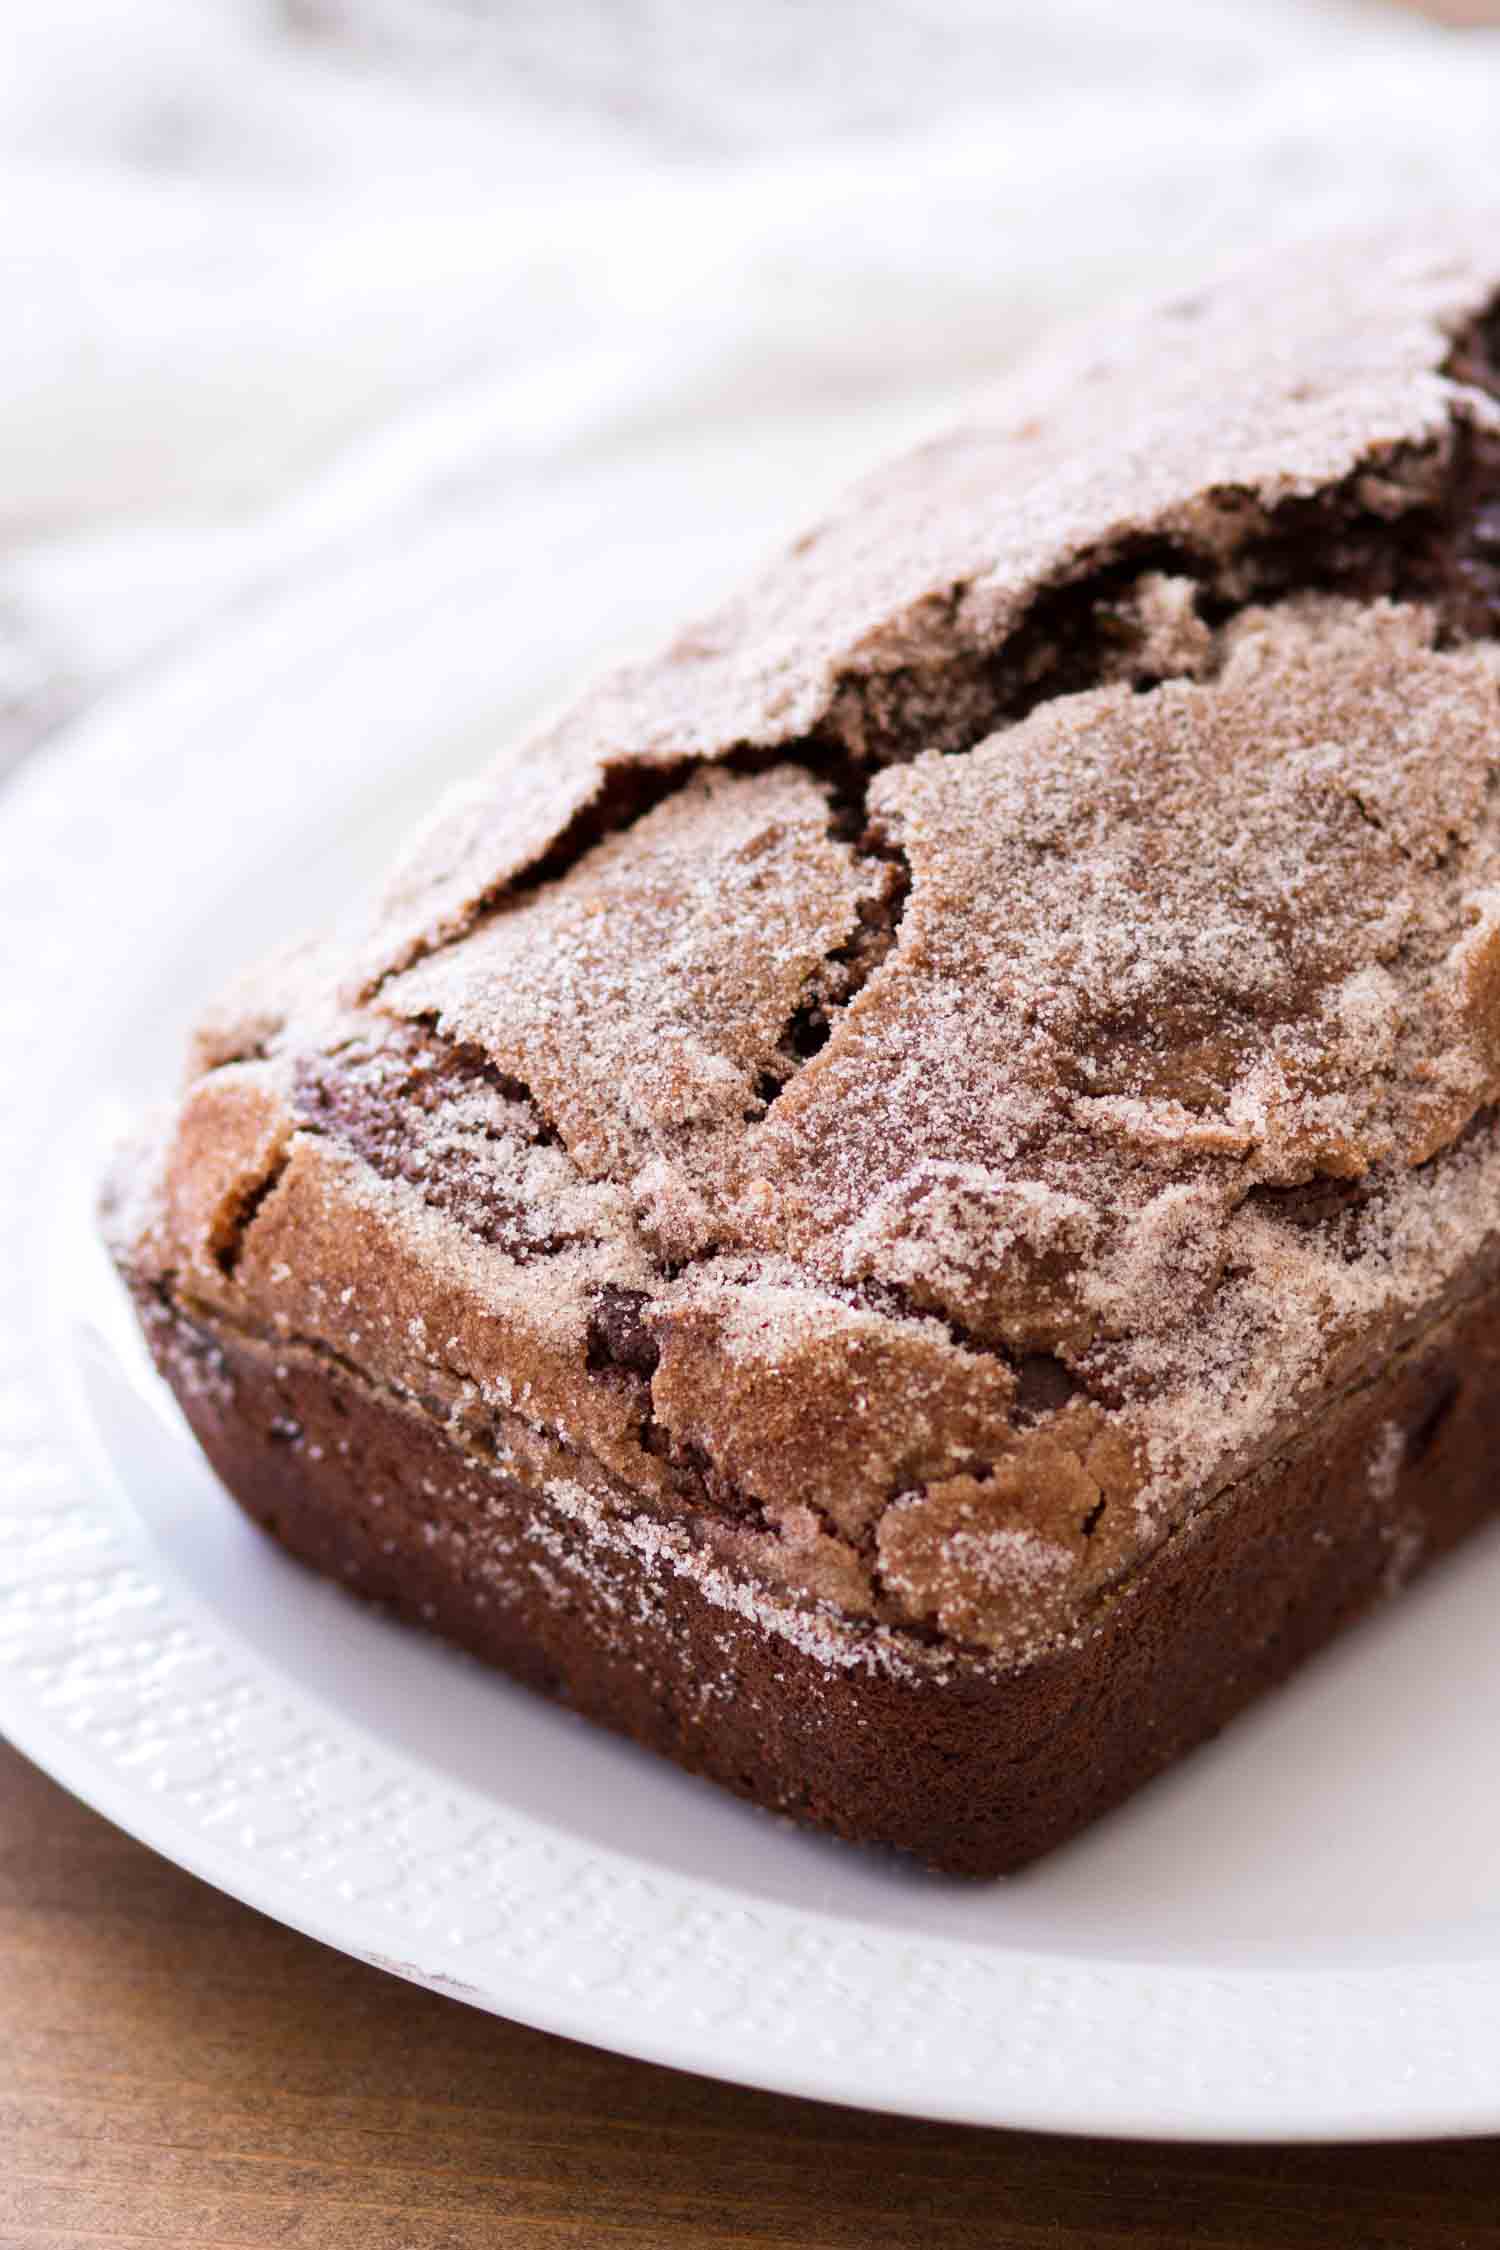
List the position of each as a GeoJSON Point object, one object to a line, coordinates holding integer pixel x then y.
{"type": "Point", "coordinates": [292, 282]}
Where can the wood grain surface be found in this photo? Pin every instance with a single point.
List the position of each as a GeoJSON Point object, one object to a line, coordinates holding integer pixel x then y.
{"type": "Point", "coordinates": [177, 2072]}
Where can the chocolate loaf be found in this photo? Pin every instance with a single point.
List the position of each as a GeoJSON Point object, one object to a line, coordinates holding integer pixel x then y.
{"type": "Point", "coordinates": [906, 1206]}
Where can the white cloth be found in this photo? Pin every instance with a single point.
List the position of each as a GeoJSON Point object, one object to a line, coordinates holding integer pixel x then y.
{"type": "Point", "coordinates": [282, 291]}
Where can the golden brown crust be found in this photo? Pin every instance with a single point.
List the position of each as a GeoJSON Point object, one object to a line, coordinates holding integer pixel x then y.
{"type": "Point", "coordinates": [951, 1067]}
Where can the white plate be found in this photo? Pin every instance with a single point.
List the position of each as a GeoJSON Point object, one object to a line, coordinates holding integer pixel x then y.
{"type": "Point", "coordinates": [1295, 1935]}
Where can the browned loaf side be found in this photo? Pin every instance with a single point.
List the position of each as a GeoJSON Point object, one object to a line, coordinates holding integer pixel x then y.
{"type": "Point", "coordinates": [906, 1207]}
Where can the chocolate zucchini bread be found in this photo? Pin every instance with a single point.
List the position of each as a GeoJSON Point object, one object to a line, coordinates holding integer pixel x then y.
{"type": "Point", "coordinates": [906, 1206]}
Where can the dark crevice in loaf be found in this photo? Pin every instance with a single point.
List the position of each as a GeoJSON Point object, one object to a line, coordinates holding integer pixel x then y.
{"type": "Point", "coordinates": [890, 1610]}
{"type": "Point", "coordinates": [1441, 548]}
{"type": "Point", "coordinates": [619, 1341]}
{"type": "Point", "coordinates": [463, 1061]}
{"type": "Point", "coordinates": [1079, 633]}
{"type": "Point", "coordinates": [1414, 526]}
{"type": "Point", "coordinates": [431, 1112]}
{"type": "Point", "coordinates": [1311, 1203]}
{"type": "Point", "coordinates": [1045, 1383]}
{"type": "Point", "coordinates": [1330, 1201]}
{"type": "Point", "coordinates": [626, 793]}
{"type": "Point", "coordinates": [234, 1228]}
{"type": "Point", "coordinates": [620, 1350]}
{"type": "Point", "coordinates": [433, 1067]}
{"type": "Point", "coordinates": [844, 972]}
{"type": "Point", "coordinates": [703, 1489]}
{"type": "Point", "coordinates": [621, 1353]}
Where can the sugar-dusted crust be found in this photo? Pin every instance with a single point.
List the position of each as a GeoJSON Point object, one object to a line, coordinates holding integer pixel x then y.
{"type": "Point", "coordinates": [946, 1078]}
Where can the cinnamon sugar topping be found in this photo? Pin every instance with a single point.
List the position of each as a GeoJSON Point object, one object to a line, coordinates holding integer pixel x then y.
{"type": "Point", "coordinates": [1052, 922]}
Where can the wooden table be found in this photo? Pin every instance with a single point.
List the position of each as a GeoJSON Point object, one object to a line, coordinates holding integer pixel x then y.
{"type": "Point", "coordinates": [177, 2072]}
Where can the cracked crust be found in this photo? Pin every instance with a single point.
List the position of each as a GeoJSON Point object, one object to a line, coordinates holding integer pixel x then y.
{"type": "Point", "coordinates": [963, 1059]}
